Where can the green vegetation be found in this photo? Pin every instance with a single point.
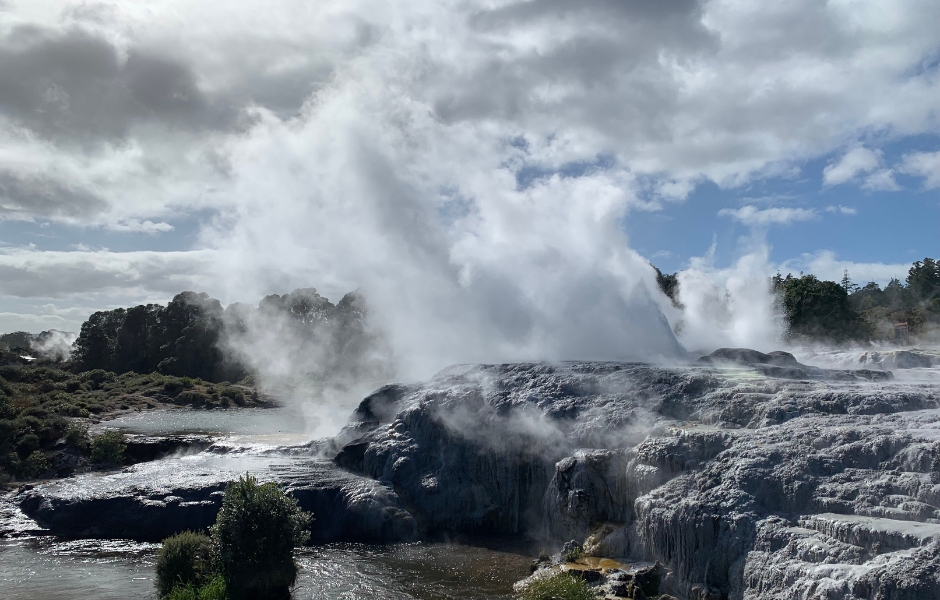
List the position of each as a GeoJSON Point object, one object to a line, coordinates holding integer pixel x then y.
{"type": "Point", "coordinates": [819, 309]}
{"type": "Point", "coordinates": [214, 589]}
{"type": "Point", "coordinates": [250, 554]}
{"type": "Point", "coordinates": [254, 539]}
{"type": "Point", "coordinates": [108, 448]}
{"type": "Point", "coordinates": [140, 357]}
{"type": "Point", "coordinates": [559, 586]}
{"type": "Point", "coordinates": [42, 404]}
{"type": "Point", "coordinates": [179, 339]}
{"type": "Point", "coordinates": [184, 337]}
{"type": "Point", "coordinates": [843, 312]}
{"type": "Point", "coordinates": [183, 562]}
{"type": "Point", "coordinates": [572, 555]}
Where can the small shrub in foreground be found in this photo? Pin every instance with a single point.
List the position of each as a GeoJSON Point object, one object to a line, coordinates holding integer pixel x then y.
{"type": "Point", "coordinates": [214, 589]}
{"type": "Point", "coordinates": [108, 448]}
{"type": "Point", "coordinates": [254, 538]}
{"type": "Point", "coordinates": [183, 561]}
{"type": "Point", "coordinates": [560, 586]}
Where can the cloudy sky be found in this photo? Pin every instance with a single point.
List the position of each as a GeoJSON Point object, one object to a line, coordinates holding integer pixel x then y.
{"type": "Point", "coordinates": [505, 164]}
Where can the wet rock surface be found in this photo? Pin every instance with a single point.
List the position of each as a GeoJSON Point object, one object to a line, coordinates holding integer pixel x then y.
{"type": "Point", "coordinates": [153, 500]}
{"type": "Point", "coordinates": [750, 476]}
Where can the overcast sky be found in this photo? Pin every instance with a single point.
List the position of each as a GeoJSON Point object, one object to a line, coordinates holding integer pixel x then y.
{"type": "Point", "coordinates": [498, 162]}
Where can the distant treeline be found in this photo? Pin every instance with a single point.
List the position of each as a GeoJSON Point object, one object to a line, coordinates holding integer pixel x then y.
{"type": "Point", "coordinates": [816, 309]}
{"type": "Point", "coordinates": [194, 336]}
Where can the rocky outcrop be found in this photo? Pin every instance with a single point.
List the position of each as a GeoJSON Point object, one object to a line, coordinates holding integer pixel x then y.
{"type": "Point", "coordinates": [749, 476]}
{"type": "Point", "coordinates": [153, 500]}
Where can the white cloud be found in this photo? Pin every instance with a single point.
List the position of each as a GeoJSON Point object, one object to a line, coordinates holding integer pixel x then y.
{"type": "Point", "coordinates": [881, 181]}
{"type": "Point", "coordinates": [923, 164]}
{"type": "Point", "coordinates": [136, 226]}
{"type": "Point", "coordinates": [842, 210]}
{"type": "Point", "coordinates": [826, 265]}
{"type": "Point", "coordinates": [855, 161]}
{"type": "Point", "coordinates": [753, 216]}
{"type": "Point", "coordinates": [29, 273]}
{"type": "Point", "coordinates": [30, 322]}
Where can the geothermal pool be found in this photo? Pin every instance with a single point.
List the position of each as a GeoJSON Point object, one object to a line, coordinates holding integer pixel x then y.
{"type": "Point", "coordinates": [116, 570]}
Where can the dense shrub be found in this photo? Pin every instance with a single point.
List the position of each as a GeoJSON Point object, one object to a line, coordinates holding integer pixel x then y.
{"type": "Point", "coordinates": [172, 386]}
{"type": "Point", "coordinates": [183, 561]}
{"type": "Point", "coordinates": [33, 465]}
{"type": "Point", "coordinates": [77, 436]}
{"type": "Point", "coordinates": [560, 586]}
{"type": "Point", "coordinates": [191, 397]}
{"type": "Point", "coordinates": [97, 377]}
{"type": "Point", "coordinates": [28, 444]}
{"type": "Point", "coordinates": [108, 448]}
{"type": "Point", "coordinates": [236, 396]}
{"type": "Point", "coordinates": [214, 589]}
{"type": "Point", "coordinates": [254, 539]}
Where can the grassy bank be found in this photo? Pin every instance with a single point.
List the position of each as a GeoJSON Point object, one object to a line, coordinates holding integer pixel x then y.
{"type": "Point", "coordinates": [45, 412]}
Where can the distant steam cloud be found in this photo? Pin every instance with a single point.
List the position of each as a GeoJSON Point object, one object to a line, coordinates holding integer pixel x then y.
{"type": "Point", "coordinates": [54, 344]}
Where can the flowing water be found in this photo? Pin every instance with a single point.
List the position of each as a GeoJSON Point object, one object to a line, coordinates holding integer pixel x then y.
{"type": "Point", "coordinates": [49, 569]}
{"type": "Point", "coordinates": [54, 569]}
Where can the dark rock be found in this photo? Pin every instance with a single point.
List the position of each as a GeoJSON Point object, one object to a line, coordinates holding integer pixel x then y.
{"type": "Point", "coordinates": [649, 579]}
{"type": "Point", "coordinates": [153, 500]}
{"type": "Point", "coordinates": [592, 576]}
{"type": "Point", "coordinates": [144, 448]}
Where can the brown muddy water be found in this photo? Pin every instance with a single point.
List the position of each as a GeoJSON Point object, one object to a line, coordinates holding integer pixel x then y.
{"type": "Point", "coordinates": [50, 569]}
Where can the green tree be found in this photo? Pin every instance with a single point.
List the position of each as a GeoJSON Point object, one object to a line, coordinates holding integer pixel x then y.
{"type": "Point", "coordinates": [94, 347]}
{"type": "Point", "coordinates": [820, 309]}
{"type": "Point", "coordinates": [923, 280]}
{"type": "Point", "coordinates": [137, 345]}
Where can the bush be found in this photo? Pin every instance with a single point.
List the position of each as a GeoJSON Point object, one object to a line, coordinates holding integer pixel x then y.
{"type": "Point", "coordinates": [183, 561]}
{"type": "Point", "coordinates": [191, 397]}
{"type": "Point", "coordinates": [236, 396]}
{"type": "Point", "coordinates": [97, 377]}
{"type": "Point", "coordinates": [254, 538]}
{"type": "Point", "coordinates": [573, 554]}
{"type": "Point", "coordinates": [172, 386]}
{"type": "Point", "coordinates": [28, 444]}
{"type": "Point", "coordinates": [560, 586]}
{"type": "Point", "coordinates": [34, 465]}
{"type": "Point", "coordinates": [77, 436]}
{"type": "Point", "coordinates": [214, 589]}
{"type": "Point", "coordinates": [108, 448]}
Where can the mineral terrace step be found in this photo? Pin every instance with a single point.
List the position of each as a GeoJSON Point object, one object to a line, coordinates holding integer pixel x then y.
{"type": "Point", "coordinates": [875, 534]}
